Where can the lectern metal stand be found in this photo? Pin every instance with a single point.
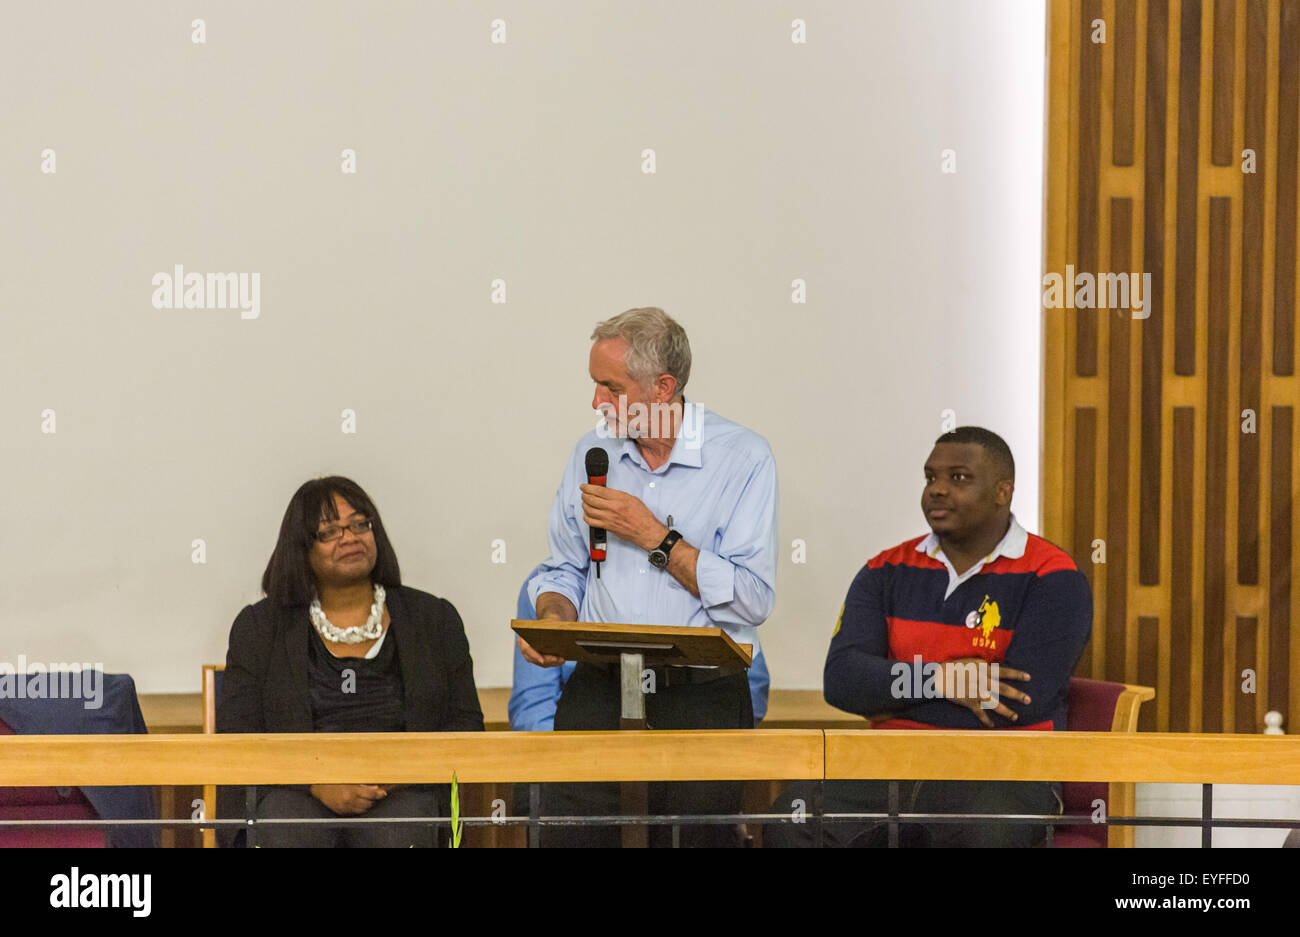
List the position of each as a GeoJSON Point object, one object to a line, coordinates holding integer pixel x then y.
{"type": "Point", "coordinates": [632, 715]}
{"type": "Point", "coordinates": [632, 646]}
{"type": "Point", "coordinates": [635, 795]}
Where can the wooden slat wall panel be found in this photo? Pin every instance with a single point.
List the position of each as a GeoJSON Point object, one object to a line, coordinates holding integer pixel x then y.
{"type": "Point", "coordinates": [1288, 162]}
{"type": "Point", "coordinates": [1281, 501]}
{"type": "Point", "coordinates": [1216, 461]}
{"type": "Point", "coordinates": [1169, 434]}
{"type": "Point", "coordinates": [1117, 445]}
{"type": "Point", "coordinates": [1089, 138]}
{"type": "Point", "coordinates": [1148, 670]}
{"type": "Point", "coordinates": [1252, 295]}
{"type": "Point", "coordinates": [1188, 98]}
{"type": "Point", "coordinates": [1085, 445]}
{"type": "Point", "coordinates": [1085, 481]}
{"type": "Point", "coordinates": [1181, 583]}
{"type": "Point", "coordinates": [1153, 262]}
{"type": "Point", "coordinates": [1125, 63]}
{"type": "Point", "coordinates": [1225, 21]}
{"type": "Point", "coordinates": [1246, 628]}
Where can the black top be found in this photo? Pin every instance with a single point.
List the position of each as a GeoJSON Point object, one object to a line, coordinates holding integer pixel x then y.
{"type": "Point", "coordinates": [265, 687]}
{"type": "Point", "coordinates": [355, 694]}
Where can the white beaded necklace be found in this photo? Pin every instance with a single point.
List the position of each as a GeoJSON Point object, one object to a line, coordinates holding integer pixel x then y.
{"type": "Point", "coordinates": [372, 629]}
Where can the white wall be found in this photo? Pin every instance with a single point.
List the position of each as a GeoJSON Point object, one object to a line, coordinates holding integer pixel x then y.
{"type": "Point", "coordinates": [477, 161]}
{"type": "Point", "coordinates": [1230, 801]}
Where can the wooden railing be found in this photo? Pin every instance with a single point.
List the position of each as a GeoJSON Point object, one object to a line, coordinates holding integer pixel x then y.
{"type": "Point", "coordinates": [409, 757]}
{"type": "Point", "coordinates": [1155, 757]}
{"type": "Point", "coordinates": [784, 754]}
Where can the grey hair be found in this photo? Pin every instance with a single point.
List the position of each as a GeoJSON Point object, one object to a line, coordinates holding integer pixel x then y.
{"type": "Point", "coordinates": [656, 344]}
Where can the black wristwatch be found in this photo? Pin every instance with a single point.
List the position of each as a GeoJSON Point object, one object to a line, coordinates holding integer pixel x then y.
{"type": "Point", "coordinates": [659, 555]}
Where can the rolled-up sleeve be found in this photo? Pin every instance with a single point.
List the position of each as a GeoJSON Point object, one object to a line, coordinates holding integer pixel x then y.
{"type": "Point", "coordinates": [737, 579]}
{"type": "Point", "coordinates": [534, 691]}
{"type": "Point", "coordinates": [565, 571]}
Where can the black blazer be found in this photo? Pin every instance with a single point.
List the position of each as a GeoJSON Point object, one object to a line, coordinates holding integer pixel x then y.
{"type": "Point", "coordinates": [264, 687]}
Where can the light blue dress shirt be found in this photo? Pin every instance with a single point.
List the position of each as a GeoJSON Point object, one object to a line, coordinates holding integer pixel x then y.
{"type": "Point", "coordinates": [719, 486]}
{"type": "Point", "coordinates": [535, 691]}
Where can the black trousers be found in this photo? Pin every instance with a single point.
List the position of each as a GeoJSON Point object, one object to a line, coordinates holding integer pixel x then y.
{"type": "Point", "coordinates": [591, 700]}
{"type": "Point", "coordinates": [287, 803]}
{"type": "Point", "coordinates": [1014, 797]}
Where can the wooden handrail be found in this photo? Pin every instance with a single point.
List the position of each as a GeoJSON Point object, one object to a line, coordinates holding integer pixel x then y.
{"type": "Point", "coordinates": [409, 757]}
{"type": "Point", "coordinates": [776, 754]}
{"type": "Point", "coordinates": [1160, 757]}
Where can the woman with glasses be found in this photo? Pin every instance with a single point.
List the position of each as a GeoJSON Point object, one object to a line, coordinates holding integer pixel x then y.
{"type": "Point", "coordinates": [340, 645]}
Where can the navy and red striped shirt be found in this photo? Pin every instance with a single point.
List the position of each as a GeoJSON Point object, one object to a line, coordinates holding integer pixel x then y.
{"type": "Point", "coordinates": [1027, 607]}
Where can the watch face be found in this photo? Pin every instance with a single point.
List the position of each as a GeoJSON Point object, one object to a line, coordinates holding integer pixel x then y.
{"type": "Point", "coordinates": [658, 559]}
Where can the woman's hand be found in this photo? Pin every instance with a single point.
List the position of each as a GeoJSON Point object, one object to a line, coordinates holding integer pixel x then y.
{"type": "Point", "coordinates": [348, 799]}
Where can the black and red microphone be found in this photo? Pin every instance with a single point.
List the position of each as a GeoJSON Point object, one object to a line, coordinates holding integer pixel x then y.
{"type": "Point", "coordinates": [597, 469]}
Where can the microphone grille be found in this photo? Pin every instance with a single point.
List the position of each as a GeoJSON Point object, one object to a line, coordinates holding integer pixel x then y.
{"type": "Point", "coordinates": [597, 461]}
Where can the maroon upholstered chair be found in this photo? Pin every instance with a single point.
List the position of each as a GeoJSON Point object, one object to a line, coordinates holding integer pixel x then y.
{"type": "Point", "coordinates": [1099, 706]}
{"type": "Point", "coordinates": [46, 803]}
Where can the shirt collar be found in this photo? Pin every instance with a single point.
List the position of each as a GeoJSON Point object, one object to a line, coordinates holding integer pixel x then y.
{"type": "Point", "coordinates": [1012, 545]}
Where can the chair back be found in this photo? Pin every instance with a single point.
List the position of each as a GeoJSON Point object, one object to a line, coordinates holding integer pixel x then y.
{"type": "Point", "coordinates": [212, 674]}
{"type": "Point", "coordinates": [1096, 706]}
{"type": "Point", "coordinates": [47, 803]}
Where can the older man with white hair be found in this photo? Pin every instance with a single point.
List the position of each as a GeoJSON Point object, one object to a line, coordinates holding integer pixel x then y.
{"type": "Point", "coordinates": [690, 508]}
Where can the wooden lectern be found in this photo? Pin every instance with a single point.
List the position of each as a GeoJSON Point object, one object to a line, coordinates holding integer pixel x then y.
{"type": "Point", "coordinates": [634, 648]}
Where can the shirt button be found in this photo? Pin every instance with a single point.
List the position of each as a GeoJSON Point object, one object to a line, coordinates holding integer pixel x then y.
{"type": "Point", "coordinates": [643, 570]}
{"type": "Point", "coordinates": [652, 484]}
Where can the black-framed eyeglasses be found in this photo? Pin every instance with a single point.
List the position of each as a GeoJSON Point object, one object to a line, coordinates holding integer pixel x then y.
{"type": "Point", "coordinates": [359, 526]}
